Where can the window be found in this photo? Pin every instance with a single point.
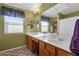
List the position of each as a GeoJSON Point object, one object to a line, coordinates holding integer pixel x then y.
{"type": "Point", "coordinates": [45, 25]}
{"type": "Point", "coordinates": [13, 20]}
{"type": "Point", "coordinates": [13, 24]}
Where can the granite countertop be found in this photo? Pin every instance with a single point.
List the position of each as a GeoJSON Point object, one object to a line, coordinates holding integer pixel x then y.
{"type": "Point", "coordinates": [51, 38]}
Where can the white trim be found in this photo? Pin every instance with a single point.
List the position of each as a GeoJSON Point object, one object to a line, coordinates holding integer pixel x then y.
{"type": "Point", "coordinates": [13, 48]}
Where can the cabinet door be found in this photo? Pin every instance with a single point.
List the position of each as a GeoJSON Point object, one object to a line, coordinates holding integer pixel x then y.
{"type": "Point", "coordinates": [35, 45]}
{"type": "Point", "coordinates": [51, 49]}
{"type": "Point", "coordinates": [30, 43]}
{"type": "Point", "coordinates": [61, 52]}
{"type": "Point", "coordinates": [41, 44]}
{"type": "Point", "coordinates": [27, 41]}
{"type": "Point", "coordinates": [43, 52]}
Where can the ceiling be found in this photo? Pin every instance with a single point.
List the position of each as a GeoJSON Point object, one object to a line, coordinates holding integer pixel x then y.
{"type": "Point", "coordinates": [28, 6]}
{"type": "Point", "coordinates": [63, 8]}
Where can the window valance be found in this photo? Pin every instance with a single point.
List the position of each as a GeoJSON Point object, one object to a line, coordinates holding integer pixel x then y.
{"type": "Point", "coordinates": [12, 12]}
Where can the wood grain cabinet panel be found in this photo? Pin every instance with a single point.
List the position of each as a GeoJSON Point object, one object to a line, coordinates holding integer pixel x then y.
{"type": "Point", "coordinates": [51, 49]}
{"type": "Point", "coordinates": [30, 44]}
{"type": "Point", "coordinates": [43, 48]}
{"type": "Point", "coordinates": [35, 46]}
{"type": "Point", "coordinates": [28, 41]}
{"type": "Point", "coordinates": [43, 52]}
{"type": "Point", "coordinates": [41, 44]}
{"type": "Point", "coordinates": [61, 52]}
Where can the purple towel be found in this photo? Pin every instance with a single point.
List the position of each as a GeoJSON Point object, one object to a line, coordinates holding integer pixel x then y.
{"type": "Point", "coordinates": [74, 46]}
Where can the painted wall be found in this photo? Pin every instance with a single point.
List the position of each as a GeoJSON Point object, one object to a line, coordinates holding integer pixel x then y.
{"type": "Point", "coordinates": [72, 14]}
{"type": "Point", "coordinates": [38, 19]}
{"type": "Point", "coordinates": [8, 41]}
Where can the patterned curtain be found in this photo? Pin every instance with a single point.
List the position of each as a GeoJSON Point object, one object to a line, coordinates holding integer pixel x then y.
{"type": "Point", "coordinates": [11, 12]}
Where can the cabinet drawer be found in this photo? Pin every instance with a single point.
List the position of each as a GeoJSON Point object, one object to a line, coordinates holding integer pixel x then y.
{"type": "Point", "coordinates": [43, 52]}
{"type": "Point", "coordinates": [61, 52]}
{"type": "Point", "coordinates": [50, 48]}
{"type": "Point", "coordinates": [41, 44]}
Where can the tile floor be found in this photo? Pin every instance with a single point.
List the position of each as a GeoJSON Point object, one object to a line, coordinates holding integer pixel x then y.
{"type": "Point", "coordinates": [24, 51]}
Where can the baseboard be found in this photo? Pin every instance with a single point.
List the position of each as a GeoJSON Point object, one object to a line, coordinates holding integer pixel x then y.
{"type": "Point", "coordinates": [13, 48]}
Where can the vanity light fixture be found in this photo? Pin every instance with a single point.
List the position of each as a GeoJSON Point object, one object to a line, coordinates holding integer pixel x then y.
{"type": "Point", "coordinates": [36, 12]}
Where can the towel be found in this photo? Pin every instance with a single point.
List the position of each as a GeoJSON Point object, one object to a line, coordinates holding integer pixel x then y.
{"type": "Point", "coordinates": [74, 46]}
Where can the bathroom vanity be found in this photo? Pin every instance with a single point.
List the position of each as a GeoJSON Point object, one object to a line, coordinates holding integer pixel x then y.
{"type": "Point", "coordinates": [47, 45]}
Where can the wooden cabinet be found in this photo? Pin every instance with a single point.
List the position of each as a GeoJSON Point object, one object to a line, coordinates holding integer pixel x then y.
{"type": "Point", "coordinates": [36, 40]}
{"type": "Point", "coordinates": [35, 46]}
{"type": "Point", "coordinates": [29, 42]}
{"type": "Point", "coordinates": [46, 49]}
{"type": "Point", "coordinates": [42, 49]}
{"type": "Point", "coordinates": [32, 44]}
{"type": "Point", "coordinates": [61, 52]}
{"type": "Point", "coordinates": [51, 49]}
{"type": "Point", "coordinates": [41, 44]}
{"type": "Point", "coordinates": [43, 52]}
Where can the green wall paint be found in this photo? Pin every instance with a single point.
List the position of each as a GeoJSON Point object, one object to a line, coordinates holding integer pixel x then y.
{"type": "Point", "coordinates": [12, 41]}
{"type": "Point", "coordinates": [28, 17]}
{"type": "Point", "coordinates": [72, 14]}
{"type": "Point", "coordinates": [8, 41]}
{"type": "Point", "coordinates": [61, 16]}
{"type": "Point", "coordinates": [1, 32]}
{"type": "Point", "coordinates": [37, 19]}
